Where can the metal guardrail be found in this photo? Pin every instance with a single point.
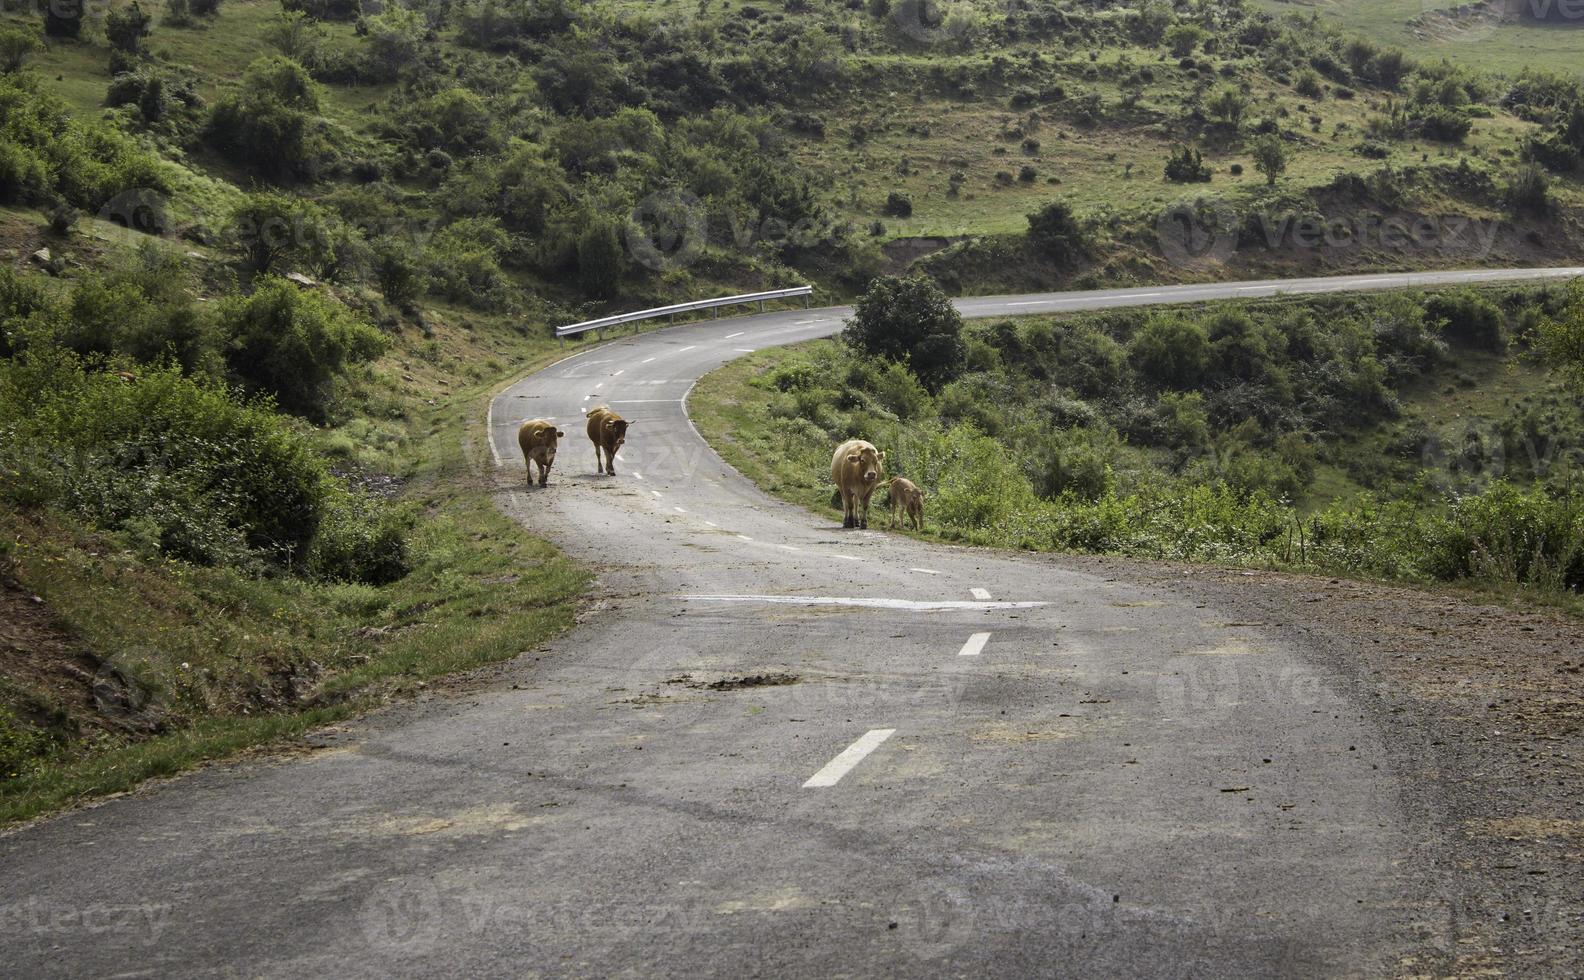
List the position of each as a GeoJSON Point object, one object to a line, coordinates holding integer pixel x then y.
{"type": "Point", "coordinates": [698, 304]}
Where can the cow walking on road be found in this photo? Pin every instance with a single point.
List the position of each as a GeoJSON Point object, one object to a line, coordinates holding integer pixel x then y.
{"type": "Point", "coordinates": [907, 498]}
{"type": "Point", "coordinates": [538, 439]}
{"type": "Point", "coordinates": [607, 431]}
{"type": "Point", "coordinates": [856, 468]}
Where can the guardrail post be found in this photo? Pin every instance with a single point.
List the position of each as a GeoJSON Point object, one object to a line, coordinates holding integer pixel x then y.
{"type": "Point", "coordinates": [761, 306]}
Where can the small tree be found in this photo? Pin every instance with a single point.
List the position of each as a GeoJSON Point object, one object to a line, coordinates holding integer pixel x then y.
{"type": "Point", "coordinates": [1560, 339]}
{"type": "Point", "coordinates": [1183, 38]}
{"type": "Point", "coordinates": [16, 43]}
{"type": "Point", "coordinates": [1055, 233]}
{"type": "Point", "coordinates": [1187, 166]}
{"type": "Point", "coordinates": [1270, 157]}
{"type": "Point", "coordinates": [600, 260]}
{"type": "Point", "coordinates": [912, 322]}
{"type": "Point", "coordinates": [898, 205]}
{"type": "Point", "coordinates": [127, 27]}
{"type": "Point", "coordinates": [1229, 106]}
{"type": "Point", "coordinates": [293, 344]}
{"type": "Point", "coordinates": [399, 275]}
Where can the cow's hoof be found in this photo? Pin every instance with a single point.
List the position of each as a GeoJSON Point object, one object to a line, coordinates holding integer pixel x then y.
{"type": "Point", "coordinates": [863, 525]}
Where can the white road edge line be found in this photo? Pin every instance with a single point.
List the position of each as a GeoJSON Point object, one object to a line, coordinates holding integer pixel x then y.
{"type": "Point", "coordinates": [975, 645]}
{"type": "Point", "coordinates": [980, 594]}
{"type": "Point", "coordinates": [848, 758]}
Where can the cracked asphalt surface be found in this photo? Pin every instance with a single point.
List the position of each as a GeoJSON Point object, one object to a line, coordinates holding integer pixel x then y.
{"type": "Point", "coordinates": [1127, 777]}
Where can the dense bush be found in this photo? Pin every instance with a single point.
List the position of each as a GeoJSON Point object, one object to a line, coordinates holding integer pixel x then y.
{"type": "Point", "coordinates": [47, 152]}
{"type": "Point", "coordinates": [360, 539]}
{"type": "Point", "coordinates": [910, 321]}
{"type": "Point", "coordinates": [1186, 166]}
{"type": "Point", "coordinates": [1055, 233]}
{"type": "Point", "coordinates": [179, 464]}
{"type": "Point", "coordinates": [1467, 317]}
{"type": "Point", "coordinates": [293, 343]}
{"type": "Point", "coordinates": [268, 123]}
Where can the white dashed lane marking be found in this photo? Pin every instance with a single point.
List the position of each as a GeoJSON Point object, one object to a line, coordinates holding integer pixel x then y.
{"type": "Point", "coordinates": [655, 492]}
{"type": "Point", "coordinates": [910, 605]}
{"type": "Point", "coordinates": [926, 571]}
{"type": "Point", "coordinates": [679, 510]}
{"type": "Point", "coordinates": [850, 756]}
{"type": "Point", "coordinates": [975, 645]}
{"type": "Point", "coordinates": [980, 593]}
{"type": "Point", "coordinates": [646, 360]}
{"type": "Point", "coordinates": [737, 334]}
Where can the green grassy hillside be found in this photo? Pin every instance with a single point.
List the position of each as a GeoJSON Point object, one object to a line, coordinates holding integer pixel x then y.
{"type": "Point", "coordinates": [1407, 436]}
{"type": "Point", "coordinates": [1467, 33]}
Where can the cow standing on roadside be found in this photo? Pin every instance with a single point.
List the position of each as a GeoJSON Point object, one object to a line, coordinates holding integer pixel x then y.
{"type": "Point", "coordinates": [537, 437]}
{"type": "Point", "coordinates": [907, 498]}
{"type": "Point", "coordinates": [607, 431]}
{"type": "Point", "coordinates": [856, 468]}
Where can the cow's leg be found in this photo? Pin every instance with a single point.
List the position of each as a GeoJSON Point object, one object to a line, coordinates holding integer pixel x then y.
{"type": "Point", "coordinates": [544, 474]}
{"type": "Point", "coordinates": [599, 461]}
{"type": "Point", "coordinates": [863, 511]}
{"type": "Point", "coordinates": [610, 462]}
{"type": "Point", "coordinates": [847, 507]}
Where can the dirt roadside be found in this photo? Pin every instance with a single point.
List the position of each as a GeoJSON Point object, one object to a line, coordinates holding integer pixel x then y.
{"type": "Point", "coordinates": [1482, 706]}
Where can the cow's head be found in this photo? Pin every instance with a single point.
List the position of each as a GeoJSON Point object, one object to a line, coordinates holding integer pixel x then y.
{"type": "Point", "coordinates": [550, 437]}
{"type": "Point", "coordinates": [867, 460]}
{"type": "Point", "coordinates": [616, 433]}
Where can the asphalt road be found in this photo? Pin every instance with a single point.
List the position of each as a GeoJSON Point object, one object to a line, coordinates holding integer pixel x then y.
{"type": "Point", "coordinates": [778, 747]}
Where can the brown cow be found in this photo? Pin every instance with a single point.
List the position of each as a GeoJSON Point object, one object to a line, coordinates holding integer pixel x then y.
{"type": "Point", "coordinates": [856, 467]}
{"type": "Point", "coordinates": [907, 497]}
{"type": "Point", "coordinates": [537, 437]}
{"type": "Point", "coordinates": [607, 431]}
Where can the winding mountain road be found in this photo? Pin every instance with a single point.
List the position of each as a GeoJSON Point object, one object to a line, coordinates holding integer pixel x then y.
{"type": "Point", "coordinates": [777, 747]}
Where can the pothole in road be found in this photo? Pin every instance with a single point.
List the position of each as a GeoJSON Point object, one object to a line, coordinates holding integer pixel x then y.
{"type": "Point", "coordinates": [737, 683]}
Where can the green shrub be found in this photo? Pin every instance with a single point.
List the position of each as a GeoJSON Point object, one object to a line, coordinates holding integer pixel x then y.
{"type": "Point", "coordinates": [1054, 232]}
{"type": "Point", "coordinates": [600, 259]}
{"type": "Point", "coordinates": [178, 462]}
{"type": "Point", "coordinates": [1186, 166]}
{"type": "Point", "coordinates": [1171, 350]}
{"type": "Point", "coordinates": [1467, 318]}
{"type": "Point", "coordinates": [292, 344]}
{"type": "Point", "coordinates": [1506, 534]}
{"type": "Point", "coordinates": [361, 539]}
{"type": "Point", "coordinates": [268, 123]}
{"type": "Point", "coordinates": [911, 321]}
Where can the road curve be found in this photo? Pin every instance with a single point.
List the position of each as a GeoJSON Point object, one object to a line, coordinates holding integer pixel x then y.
{"type": "Point", "coordinates": [774, 746]}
